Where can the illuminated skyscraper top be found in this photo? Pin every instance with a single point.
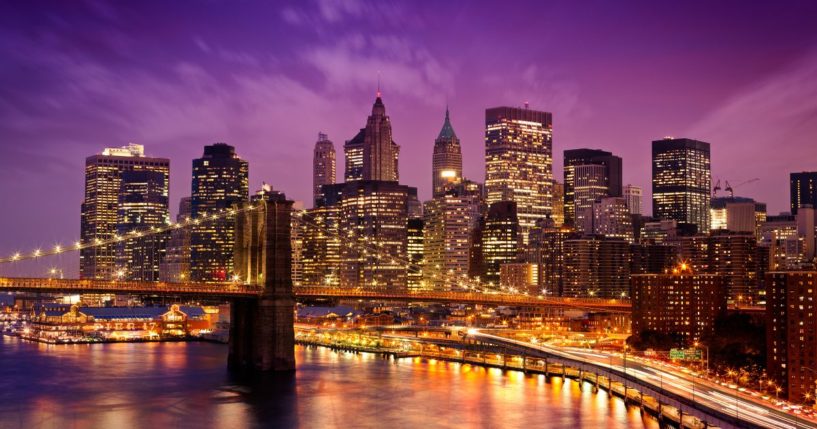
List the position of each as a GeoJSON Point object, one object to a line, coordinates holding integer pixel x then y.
{"type": "Point", "coordinates": [447, 159]}
{"type": "Point", "coordinates": [372, 154]}
{"type": "Point", "coordinates": [681, 181]}
{"type": "Point", "coordinates": [519, 161]}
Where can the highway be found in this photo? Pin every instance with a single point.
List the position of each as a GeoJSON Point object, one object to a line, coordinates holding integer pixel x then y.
{"type": "Point", "coordinates": [709, 395]}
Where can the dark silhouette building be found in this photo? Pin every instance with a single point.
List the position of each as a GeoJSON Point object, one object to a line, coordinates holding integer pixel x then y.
{"type": "Point", "coordinates": [803, 189]}
{"type": "Point", "coordinates": [608, 185]}
{"type": "Point", "coordinates": [220, 181]}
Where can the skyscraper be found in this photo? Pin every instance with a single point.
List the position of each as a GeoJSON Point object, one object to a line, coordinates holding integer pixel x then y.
{"type": "Point", "coordinates": [610, 217]}
{"type": "Point", "coordinates": [449, 223]}
{"type": "Point", "coordinates": [446, 163]}
{"type": "Point", "coordinates": [100, 207]}
{"type": "Point", "coordinates": [220, 181]}
{"type": "Point", "coordinates": [589, 185]}
{"type": "Point", "coordinates": [416, 253]}
{"type": "Point", "coordinates": [607, 181]}
{"type": "Point", "coordinates": [519, 162]}
{"type": "Point", "coordinates": [323, 165]}
{"type": "Point", "coordinates": [176, 265]}
{"type": "Point", "coordinates": [500, 239]}
{"type": "Point", "coordinates": [596, 266]}
{"type": "Point", "coordinates": [681, 181]}
{"type": "Point", "coordinates": [373, 224]}
{"type": "Point", "coordinates": [633, 195]}
{"type": "Point", "coordinates": [558, 213]}
{"type": "Point", "coordinates": [143, 206]}
{"type": "Point", "coordinates": [372, 154]}
{"type": "Point", "coordinates": [803, 190]}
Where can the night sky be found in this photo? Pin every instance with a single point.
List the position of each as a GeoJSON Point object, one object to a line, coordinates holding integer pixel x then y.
{"type": "Point", "coordinates": [266, 77]}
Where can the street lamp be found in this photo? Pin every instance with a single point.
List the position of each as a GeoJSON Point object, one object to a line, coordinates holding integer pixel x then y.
{"type": "Point", "coordinates": [808, 396]}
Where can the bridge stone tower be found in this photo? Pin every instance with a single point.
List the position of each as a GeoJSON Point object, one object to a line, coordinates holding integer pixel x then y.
{"type": "Point", "coordinates": [262, 336]}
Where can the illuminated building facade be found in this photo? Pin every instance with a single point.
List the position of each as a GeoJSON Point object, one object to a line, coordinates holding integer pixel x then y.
{"type": "Point", "coordinates": [100, 207]}
{"type": "Point", "coordinates": [733, 255]}
{"type": "Point", "coordinates": [737, 214]}
{"type": "Point", "coordinates": [558, 213]}
{"type": "Point", "coordinates": [450, 220]}
{"type": "Point", "coordinates": [372, 154]}
{"type": "Point", "coordinates": [446, 164]}
{"type": "Point", "coordinates": [143, 206]}
{"type": "Point", "coordinates": [519, 162]}
{"type": "Point", "coordinates": [545, 249]}
{"type": "Point", "coordinates": [220, 180]}
{"type": "Point", "coordinates": [176, 265]}
{"type": "Point", "coordinates": [646, 258]}
{"type": "Point", "coordinates": [416, 253]}
{"type": "Point", "coordinates": [633, 195]}
{"type": "Point", "coordinates": [681, 181]}
{"type": "Point", "coordinates": [323, 165]}
{"type": "Point", "coordinates": [803, 190]}
{"type": "Point", "coordinates": [791, 332]}
{"type": "Point", "coordinates": [519, 277]}
{"type": "Point", "coordinates": [597, 267]}
{"type": "Point", "coordinates": [680, 303]}
{"type": "Point", "coordinates": [585, 183]}
{"type": "Point", "coordinates": [610, 217]}
{"type": "Point", "coordinates": [322, 239]}
{"type": "Point", "coordinates": [588, 186]}
{"type": "Point", "coordinates": [500, 239]}
{"type": "Point", "coordinates": [373, 226]}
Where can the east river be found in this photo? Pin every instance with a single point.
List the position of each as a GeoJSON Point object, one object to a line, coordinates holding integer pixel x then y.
{"type": "Point", "coordinates": [187, 385]}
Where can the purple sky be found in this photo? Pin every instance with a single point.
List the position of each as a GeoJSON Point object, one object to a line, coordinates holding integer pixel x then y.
{"type": "Point", "coordinates": [266, 77]}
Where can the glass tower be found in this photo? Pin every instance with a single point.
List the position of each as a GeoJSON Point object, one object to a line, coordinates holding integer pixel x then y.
{"type": "Point", "coordinates": [681, 181]}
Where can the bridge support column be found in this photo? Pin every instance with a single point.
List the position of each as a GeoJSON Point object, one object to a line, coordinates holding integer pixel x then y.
{"type": "Point", "coordinates": [262, 336]}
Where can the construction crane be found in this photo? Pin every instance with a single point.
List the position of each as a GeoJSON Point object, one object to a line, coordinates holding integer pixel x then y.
{"type": "Point", "coordinates": [716, 188]}
{"type": "Point", "coordinates": [731, 189]}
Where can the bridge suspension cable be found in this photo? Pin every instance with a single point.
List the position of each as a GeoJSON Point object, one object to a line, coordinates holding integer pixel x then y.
{"type": "Point", "coordinates": [136, 233]}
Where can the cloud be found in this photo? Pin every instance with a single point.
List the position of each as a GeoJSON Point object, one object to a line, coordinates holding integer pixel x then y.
{"type": "Point", "coordinates": [353, 63]}
{"type": "Point", "coordinates": [766, 130]}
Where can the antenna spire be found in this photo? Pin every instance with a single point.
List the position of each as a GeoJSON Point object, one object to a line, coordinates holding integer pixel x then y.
{"type": "Point", "coordinates": [378, 83]}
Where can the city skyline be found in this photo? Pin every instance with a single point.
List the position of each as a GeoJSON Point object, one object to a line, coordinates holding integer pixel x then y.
{"type": "Point", "coordinates": [175, 120]}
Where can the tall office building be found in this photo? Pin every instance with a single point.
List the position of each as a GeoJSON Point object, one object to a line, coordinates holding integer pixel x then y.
{"type": "Point", "coordinates": [446, 164]}
{"type": "Point", "coordinates": [500, 239]}
{"type": "Point", "coordinates": [176, 265]}
{"type": "Point", "coordinates": [610, 217]}
{"type": "Point", "coordinates": [633, 196]}
{"type": "Point", "coordinates": [374, 220]}
{"type": "Point", "coordinates": [322, 239]}
{"type": "Point", "coordinates": [681, 181]}
{"type": "Point", "coordinates": [100, 207]}
{"type": "Point", "coordinates": [682, 303]}
{"type": "Point", "coordinates": [791, 325]}
{"type": "Point", "coordinates": [803, 190]}
{"type": "Point", "coordinates": [605, 181]}
{"type": "Point", "coordinates": [519, 162]}
{"type": "Point", "coordinates": [545, 249]}
{"type": "Point", "coordinates": [558, 213]}
{"type": "Point", "coordinates": [588, 186]}
{"type": "Point", "coordinates": [143, 206]}
{"type": "Point", "coordinates": [449, 223]}
{"type": "Point", "coordinates": [733, 255]}
{"type": "Point", "coordinates": [372, 154]}
{"type": "Point", "coordinates": [323, 165]}
{"type": "Point", "coordinates": [595, 266]}
{"type": "Point", "coordinates": [220, 181]}
{"type": "Point", "coordinates": [416, 253]}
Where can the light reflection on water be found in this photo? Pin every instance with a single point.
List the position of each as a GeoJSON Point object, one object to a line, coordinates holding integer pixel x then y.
{"type": "Point", "coordinates": [178, 385]}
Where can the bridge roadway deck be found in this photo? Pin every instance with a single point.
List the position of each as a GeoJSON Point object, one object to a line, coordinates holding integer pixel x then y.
{"type": "Point", "coordinates": [708, 401]}
{"type": "Point", "coordinates": [234, 291]}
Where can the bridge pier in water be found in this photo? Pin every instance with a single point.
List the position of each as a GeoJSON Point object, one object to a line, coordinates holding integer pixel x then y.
{"type": "Point", "coordinates": [262, 336]}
